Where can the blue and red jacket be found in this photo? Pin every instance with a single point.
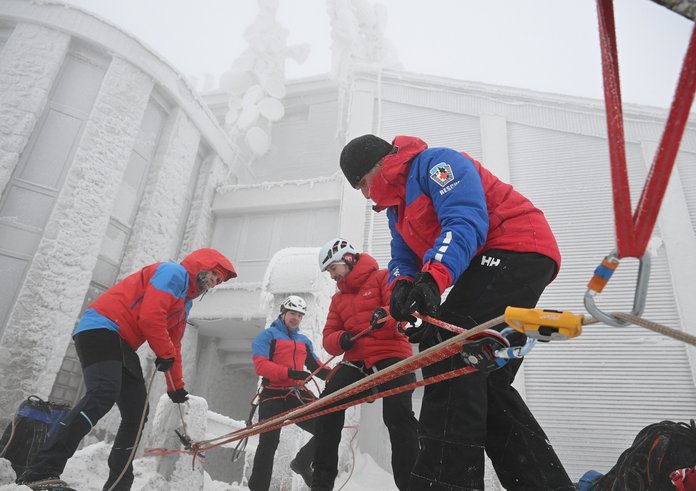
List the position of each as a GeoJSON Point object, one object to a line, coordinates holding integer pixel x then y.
{"type": "Point", "coordinates": [278, 349]}
{"type": "Point", "coordinates": [153, 304]}
{"type": "Point", "coordinates": [444, 208]}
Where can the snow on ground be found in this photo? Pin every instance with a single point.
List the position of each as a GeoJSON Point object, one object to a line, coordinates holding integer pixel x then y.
{"type": "Point", "coordinates": [87, 471]}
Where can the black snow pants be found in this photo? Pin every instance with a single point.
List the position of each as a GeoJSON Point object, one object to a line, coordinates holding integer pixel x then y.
{"type": "Point", "coordinates": [462, 417]}
{"type": "Point", "coordinates": [273, 402]}
{"type": "Point", "coordinates": [397, 413]}
{"type": "Point", "coordinates": [112, 375]}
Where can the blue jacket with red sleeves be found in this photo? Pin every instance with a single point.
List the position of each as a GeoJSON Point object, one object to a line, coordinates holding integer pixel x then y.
{"type": "Point", "coordinates": [444, 208]}
{"type": "Point", "coordinates": [152, 305]}
{"type": "Point", "coordinates": [278, 349]}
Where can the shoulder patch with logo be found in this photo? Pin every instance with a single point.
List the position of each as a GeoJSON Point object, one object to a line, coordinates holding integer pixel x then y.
{"type": "Point", "coordinates": [442, 174]}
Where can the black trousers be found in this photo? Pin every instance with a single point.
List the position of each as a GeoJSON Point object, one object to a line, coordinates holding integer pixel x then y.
{"type": "Point", "coordinates": [462, 417]}
{"type": "Point", "coordinates": [112, 375]}
{"type": "Point", "coordinates": [272, 403]}
{"type": "Point", "coordinates": [397, 413]}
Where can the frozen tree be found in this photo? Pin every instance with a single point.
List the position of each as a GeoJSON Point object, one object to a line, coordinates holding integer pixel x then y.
{"type": "Point", "coordinates": [256, 81]}
{"type": "Point", "coordinates": [358, 40]}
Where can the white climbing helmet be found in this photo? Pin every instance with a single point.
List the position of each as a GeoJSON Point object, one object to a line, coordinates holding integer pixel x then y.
{"type": "Point", "coordinates": [333, 251]}
{"type": "Point", "coordinates": [294, 303]}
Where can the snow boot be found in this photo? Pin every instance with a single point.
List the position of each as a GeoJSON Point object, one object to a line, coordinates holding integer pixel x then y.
{"type": "Point", "coordinates": [45, 484]}
{"type": "Point", "coordinates": [303, 470]}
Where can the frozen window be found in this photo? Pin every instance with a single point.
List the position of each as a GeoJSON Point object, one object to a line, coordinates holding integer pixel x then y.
{"type": "Point", "coordinates": [32, 190]}
{"type": "Point", "coordinates": [252, 240]}
{"type": "Point", "coordinates": [130, 194]}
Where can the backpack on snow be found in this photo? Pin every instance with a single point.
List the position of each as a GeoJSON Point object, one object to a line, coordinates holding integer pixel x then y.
{"type": "Point", "coordinates": [657, 451]}
{"type": "Point", "coordinates": [31, 426]}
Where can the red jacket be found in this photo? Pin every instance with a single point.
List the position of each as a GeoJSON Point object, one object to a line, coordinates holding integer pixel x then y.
{"type": "Point", "coordinates": [359, 294]}
{"type": "Point", "coordinates": [152, 305]}
{"type": "Point", "coordinates": [444, 208]}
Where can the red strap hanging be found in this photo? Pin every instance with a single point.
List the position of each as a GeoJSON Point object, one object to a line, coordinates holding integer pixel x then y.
{"type": "Point", "coordinates": [633, 232]}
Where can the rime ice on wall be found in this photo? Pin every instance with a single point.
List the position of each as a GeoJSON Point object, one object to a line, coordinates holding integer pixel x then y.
{"type": "Point", "coordinates": [200, 220]}
{"type": "Point", "coordinates": [38, 329]}
{"type": "Point", "coordinates": [155, 232]}
{"type": "Point", "coordinates": [29, 64]}
{"type": "Point", "coordinates": [256, 81]}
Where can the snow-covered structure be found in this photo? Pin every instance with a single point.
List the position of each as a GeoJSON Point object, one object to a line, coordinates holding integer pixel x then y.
{"type": "Point", "coordinates": [109, 161]}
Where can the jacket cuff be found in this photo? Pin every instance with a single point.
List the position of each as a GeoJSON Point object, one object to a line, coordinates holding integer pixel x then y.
{"type": "Point", "coordinates": [440, 274]}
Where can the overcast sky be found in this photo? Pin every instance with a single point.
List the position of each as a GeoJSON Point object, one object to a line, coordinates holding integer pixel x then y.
{"type": "Point", "coordinates": [544, 45]}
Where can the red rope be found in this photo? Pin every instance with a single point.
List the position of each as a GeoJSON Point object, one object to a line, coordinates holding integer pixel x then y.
{"type": "Point", "coordinates": [633, 231]}
{"type": "Point", "coordinates": [658, 177]}
{"type": "Point", "coordinates": [615, 131]}
{"type": "Point", "coordinates": [432, 355]}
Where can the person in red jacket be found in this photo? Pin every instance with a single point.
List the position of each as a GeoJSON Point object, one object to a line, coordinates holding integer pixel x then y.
{"type": "Point", "coordinates": [281, 352]}
{"type": "Point", "coordinates": [454, 224]}
{"type": "Point", "coordinates": [362, 288]}
{"type": "Point", "coordinates": [150, 306]}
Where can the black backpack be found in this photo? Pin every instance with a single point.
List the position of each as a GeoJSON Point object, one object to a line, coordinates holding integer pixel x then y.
{"type": "Point", "coordinates": [657, 450]}
{"type": "Point", "coordinates": [31, 426]}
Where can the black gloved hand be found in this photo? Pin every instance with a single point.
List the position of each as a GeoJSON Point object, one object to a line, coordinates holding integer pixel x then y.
{"type": "Point", "coordinates": [298, 374]}
{"type": "Point", "coordinates": [178, 396]}
{"type": "Point", "coordinates": [164, 364]}
{"type": "Point", "coordinates": [397, 302]}
{"type": "Point", "coordinates": [421, 333]}
{"type": "Point", "coordinates": [346, 341]}
{"type": "Point", "coordinates": [424, 296]}
{"type": "Point", "coordinates": [378, 318]}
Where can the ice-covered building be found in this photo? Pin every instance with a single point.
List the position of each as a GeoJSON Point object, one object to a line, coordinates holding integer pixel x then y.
{"type": "Point", "coordinates": [109, 161]}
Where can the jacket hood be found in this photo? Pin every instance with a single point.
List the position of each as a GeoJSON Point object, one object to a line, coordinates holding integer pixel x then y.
{"type": "Point", "coordinates": [389, 185]}
{"type": "Point", "coordinates": [206, 260]}
{"type": "Point", "coordinates": [362, 270]}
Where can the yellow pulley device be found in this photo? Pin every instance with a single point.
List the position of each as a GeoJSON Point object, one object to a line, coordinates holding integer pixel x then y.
{"type": "Point", "coordinates": [544, 325]}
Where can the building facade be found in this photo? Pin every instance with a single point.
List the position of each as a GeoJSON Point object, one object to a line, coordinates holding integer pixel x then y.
{"type": "Point", "coordinates": [109, 161]}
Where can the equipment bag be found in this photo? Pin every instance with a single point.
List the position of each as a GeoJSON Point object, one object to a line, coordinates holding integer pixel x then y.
{"type": "Point", "coordinates": [34, 422]}
{"type": "Point", "coordinates": [657, 451]}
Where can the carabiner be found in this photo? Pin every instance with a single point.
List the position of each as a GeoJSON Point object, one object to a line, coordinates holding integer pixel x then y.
{"type": "Point", "coordinates": [602, 275]}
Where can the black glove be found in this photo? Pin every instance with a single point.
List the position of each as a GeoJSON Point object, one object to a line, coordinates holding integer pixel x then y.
{"type": "Point", "coordinates": [346, 341]}
{"type": "Point", "coordinates": [421, 333]}
{"type": "Point", "coordinates": [164, 364]}
{"type": "Point", "coordinates": [397, 302]}
{"type": "Point", "coordinates": [378, 315]}
{"type": "Point", "coordinates": [298, 374]}
{"type": "Point", "coordinates": [178, 396]}
{"type": "Point", "coordinates": [323, 373]}
{"type": "Point", "coordinates": [425, 295]}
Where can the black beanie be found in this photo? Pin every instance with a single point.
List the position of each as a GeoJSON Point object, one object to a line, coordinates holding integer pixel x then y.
{"type": "Point", "coordinates": [361, 154]}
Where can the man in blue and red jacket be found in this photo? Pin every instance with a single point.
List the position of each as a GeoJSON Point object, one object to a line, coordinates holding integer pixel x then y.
{"type": "Point", "coordinates": [150, 306]}
{"type": "Point", "coordinates": [454, 224]}
{"type": "Point", "coordinates": [281, 353]}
